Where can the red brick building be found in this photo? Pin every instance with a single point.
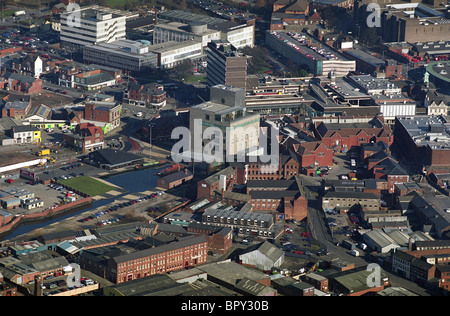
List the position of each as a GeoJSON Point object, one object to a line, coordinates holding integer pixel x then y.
{"type": "Point", "coordinates": [224, 179]}
{"type": "Point", "coordinates": [220, 239]}
{"type": "Point", "coordinates": [131, 265]}
{"type": "Point", "coordinates": [390, 170]}
{"type": "Point", "coordinates": [146, 95]}
{"type": "Point", "coordinates": [87, 138]}
{"type": "Point", "coordinates": [342, 137]}
{"type": "Point", "coordinates": [279, 197]}
{"type": "Point", "coordinates": [106, 112]}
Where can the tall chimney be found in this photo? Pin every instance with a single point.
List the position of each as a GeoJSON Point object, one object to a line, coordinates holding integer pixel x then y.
{"type": "Point", "coordinates": [37, 285]}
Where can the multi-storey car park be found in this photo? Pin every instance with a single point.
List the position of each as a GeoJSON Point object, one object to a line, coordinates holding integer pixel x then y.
{"type": "Point", "coordinates": [304, 50]}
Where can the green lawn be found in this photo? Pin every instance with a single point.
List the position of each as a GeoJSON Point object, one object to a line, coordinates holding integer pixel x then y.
{"type": "Point", "coordinates": [87, 185]}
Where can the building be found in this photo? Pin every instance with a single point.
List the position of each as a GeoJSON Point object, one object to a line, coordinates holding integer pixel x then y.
{"type": "Point", "coordinates": [31, 65]}
{"type": "Point", "coordinates": [262, 256]}
{"type": "Point", "coordinates": [20, 82]}
{"type": "Point", "coordinates": [354, 282]}
{"type": "Point", "coordinates": [123, 54]}
{"type": "Point", "coordinates": [309, 53]}
{"type": "Point", "coordinates": [370, 64]}
{"type": "Point", "coordinates": [87, 138]}
{"type": "Point", "coordinates": [15, 106]}
{"type": "Point", "coordinates": [180, 32]}
{"type": "Point", "coordinates": [122, 264]}
{"type": "Point", "coordinates": [220, 239]}
{"type": "Point", "coordinates": [426, 138]}
{"type": "Point", "coordinates": [96, 25]}
{"type": "Point", "coordinates": [104, 112]}
{"type": "Point", "coordinates": [26, 134]}
{"type": "Point", "coordinates": [226, 65]}
{"type": "Point", "coordinates": [279, 197]}
{"type": "Point", "coordinates": [113, 159]}
{"type": "Point", "coordinates": [342, 136]}
{"type": "Point", "coordinates": [345, 201]}
{"type": "Point", "coordinates": [88, 77]}
{"type": "Point", "coordinates": [239, 35]}
{"type": "Point", "coordinates": [169, 54]}
{"type": "Point", "coordinates": [246, 223]}
{"type": "Point", "coordinates": [227, 114]}
{"type": "Point", "coordinates": [215, 183]}
{"type": "Point", "coordinates": [412, 268]}
{"type": "Point", "coordinates": [437, 103]}
{"type": "Point", "coordinates": [399, 23]}
{"type": "Point", "coordinates": [387, 95]}
{"type": "Point", "coordinates": [174, 179]}
{"type": "Point", "coordinates": [438, 72]}
{"type": "Point", "coordinates": [151, 95]}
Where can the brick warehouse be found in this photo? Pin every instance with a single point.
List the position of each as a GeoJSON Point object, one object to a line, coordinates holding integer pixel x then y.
{"type": "Point", "coordinates": [279, 197]}
{"type": "Point", "coordinates": [123, 263]}
{"type": "Point", "coordinates": [426, 139]}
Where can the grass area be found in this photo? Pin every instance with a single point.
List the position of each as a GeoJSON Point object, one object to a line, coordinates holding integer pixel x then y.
{"type": "Point", "coordinates": [88, 185]}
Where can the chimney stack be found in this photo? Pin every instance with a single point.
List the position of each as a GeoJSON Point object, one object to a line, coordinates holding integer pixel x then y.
{"type": "Point", "coordinates": [37, 285]}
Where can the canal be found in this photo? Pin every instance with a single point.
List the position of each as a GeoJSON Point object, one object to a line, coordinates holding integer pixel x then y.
{"type": "Point", "coordinates": [133, 182]}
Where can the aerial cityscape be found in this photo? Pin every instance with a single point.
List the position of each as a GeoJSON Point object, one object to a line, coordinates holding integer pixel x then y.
{"type": "Point", "coordinates": [234, 149]}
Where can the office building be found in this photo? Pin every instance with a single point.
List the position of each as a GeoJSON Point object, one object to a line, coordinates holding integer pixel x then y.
{"type": "Point", "coordinates": [91, 25]}
{"type": "Point", "coordinates": [226, 111]}
{"type": "Point", "coordinates": [124, 54]}
{"type": "Point", "coordinates": [226, 65]}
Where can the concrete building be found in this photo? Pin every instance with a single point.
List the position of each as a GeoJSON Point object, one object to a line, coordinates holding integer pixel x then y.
{"type": "Point", "coordinates": [96, 25]}
{"type": "Point", "coordinates": [226, 65]}
{"type": "Point", "coordinates": [225, 112]}
{"type": "Point", "coordinates": [171, 53]}
{"type": "Point", "coordinates": [180, 32]}
{"type": "Point", "coordinates": [124, 54]}
{"type": "Point", "coordinates": [239, 35]}
{"type": "Point", "coordinates": [305, 51]}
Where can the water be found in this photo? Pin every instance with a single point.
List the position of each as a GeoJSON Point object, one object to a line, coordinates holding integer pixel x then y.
{"type": "Point", "coordinates": [132, 182]}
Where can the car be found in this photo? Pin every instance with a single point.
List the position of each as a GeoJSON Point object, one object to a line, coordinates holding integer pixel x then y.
{"type": "Point", "coordinates": [9, 181]}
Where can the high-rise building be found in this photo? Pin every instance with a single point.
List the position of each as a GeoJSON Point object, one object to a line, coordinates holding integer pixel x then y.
{"type": "Point", "coordinates": [91, 25]}
{"type": "Point", "coordinates": [226, 65]}
{"type": "Point", "coordinates": [225, 112]}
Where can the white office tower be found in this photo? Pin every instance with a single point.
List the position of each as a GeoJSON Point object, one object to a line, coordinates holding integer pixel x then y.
{"type": "Point", "coordinates": [91, 25]}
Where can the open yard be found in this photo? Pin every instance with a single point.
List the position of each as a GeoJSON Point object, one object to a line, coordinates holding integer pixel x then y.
{"type": "Point", "coordinates": [88, 185]}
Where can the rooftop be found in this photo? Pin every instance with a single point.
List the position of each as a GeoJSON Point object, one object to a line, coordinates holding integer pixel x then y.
{"type": "Point", "coordinates": [433, 131]}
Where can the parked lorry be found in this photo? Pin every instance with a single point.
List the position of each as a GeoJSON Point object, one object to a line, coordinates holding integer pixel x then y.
{"type": "Point", "coordinates": [43, 152]}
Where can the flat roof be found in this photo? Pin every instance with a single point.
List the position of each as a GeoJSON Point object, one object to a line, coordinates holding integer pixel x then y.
{"type": "Point", "coordinates": [306, 43]}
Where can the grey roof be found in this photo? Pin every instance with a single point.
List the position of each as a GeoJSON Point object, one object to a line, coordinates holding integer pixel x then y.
{"type": "Point", "coordinates": [215, 177]}
{"type": "Point", "coordinates": [353, 194]}
{"type": "Point", "coordinates": [270, 251]}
